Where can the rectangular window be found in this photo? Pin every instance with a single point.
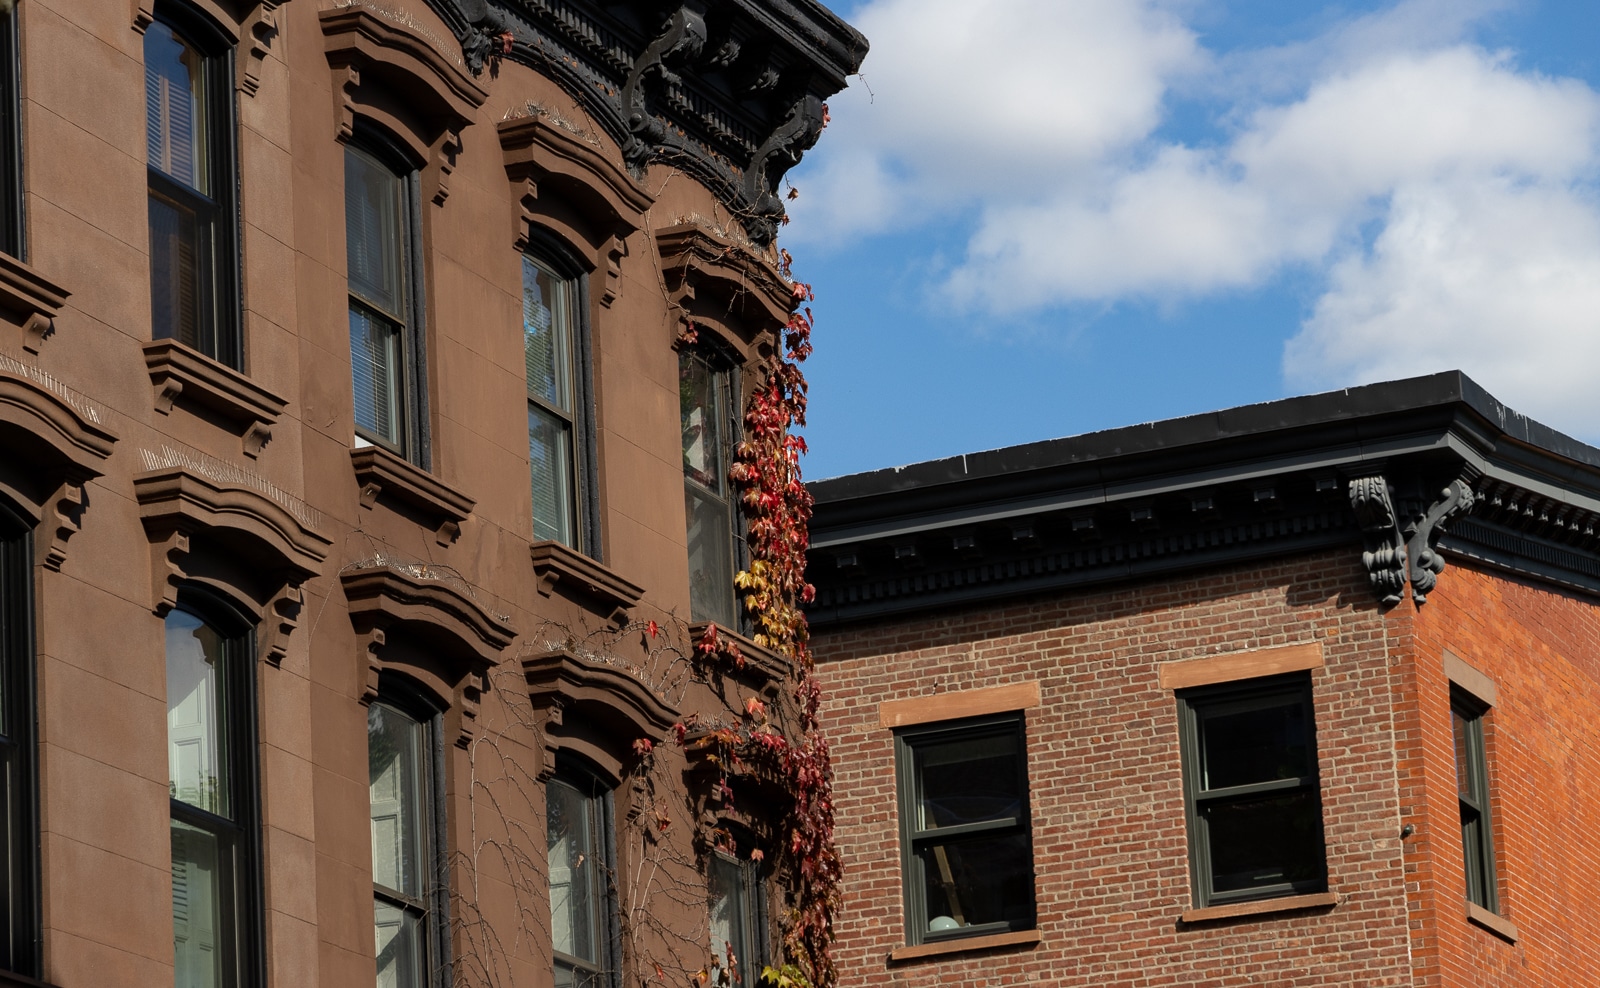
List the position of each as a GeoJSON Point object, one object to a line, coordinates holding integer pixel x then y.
{"type": "Point", "coordinates": [1251, 790]}
{"type": "Point", "coordinates": [966, 848]}
{"type": "Point", "coordinates": [19, 840]}
{"type": "Point", "coordinates": [384, 342]}
{"type": "Point", "coordinates": [705, 400]}
{"type": "Point", "coordinates": [11, 228]}
{"type": "Point", "coordinates": [1472, 789]}
{"type": "Point", "coordinates": [405, 861]}
{"type": "Point", "coordinates": [548, 336]}
{"type": "Point", "coordinates": [582, 913]}
{"type": "Point", "coordinates": [738, 916]}
{"type": "Point", "coordinates": [210, 748]}
{"type": "Point", "coordinates": [189, 138]}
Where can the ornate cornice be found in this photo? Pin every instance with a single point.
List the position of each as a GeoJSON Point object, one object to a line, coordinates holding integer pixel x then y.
{"type": "Point", "coordinates": [729, 91]}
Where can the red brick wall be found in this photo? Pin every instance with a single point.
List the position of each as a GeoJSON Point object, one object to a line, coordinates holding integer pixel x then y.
{"type": "Point", "coordinates": [1542, 649]}
{"type": "Point", "coordinates": [1110, 846]}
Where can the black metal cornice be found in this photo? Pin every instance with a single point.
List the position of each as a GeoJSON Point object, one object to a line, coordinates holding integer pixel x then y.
{"type": "Point", "coordinates": [730, 91]}
{"type": "Point", "coordinates": [1402, 475]}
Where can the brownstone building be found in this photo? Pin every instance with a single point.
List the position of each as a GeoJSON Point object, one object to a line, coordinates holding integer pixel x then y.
{"type": "Point", "coordinates": [1199, 703]}
{"type": "Point", "coordinates": [351, 554]}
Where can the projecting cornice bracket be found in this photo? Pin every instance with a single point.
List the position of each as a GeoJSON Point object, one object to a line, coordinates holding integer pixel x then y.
{"type": "Point", "coordinates": [1402, 545]}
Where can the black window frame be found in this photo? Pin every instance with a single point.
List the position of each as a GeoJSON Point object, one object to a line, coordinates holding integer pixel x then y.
{"type": "Point", "coordinates": [1467, 714]}
{"type": "Point", "coordinates": [243, 947]}
{"type": "Point", "coordinates": [400, 694]}
{"type": "Point", "coordinates": [415, 441]}
{"type": "Point", "coordinates": [545, 249]}
{"type": "Point", "coordinates": [721, 363]}
{"type": "Point", "coordinates": [755, 952]}
{"type": "Point", "coordinates": [220, 315]}
{"type": "Point", "coordinates": [913, 839]}
{"type": "Point", "coordinates": [579, 774]}
{"type": "Point", "coordinates": [1258, 692]}
{"type": "Point", "coordinates": [13, 225]}
{"type": "Point", "coordinates": [20, 941]}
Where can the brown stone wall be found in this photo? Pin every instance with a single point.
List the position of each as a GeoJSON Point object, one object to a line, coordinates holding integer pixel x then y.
{"type": "Point", "coordinates": [1110, 847]}
{"type": "Point", "coordinates": [1540, 647]}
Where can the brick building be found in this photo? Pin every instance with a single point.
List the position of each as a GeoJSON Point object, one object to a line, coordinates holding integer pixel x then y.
{"type": "Point", "coordinates": [1198, 703]}
{"type": "Point", "coordinates": [349, 547]}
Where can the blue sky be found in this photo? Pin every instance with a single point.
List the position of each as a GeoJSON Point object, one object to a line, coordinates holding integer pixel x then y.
{"type": "Point", "coordinates": [1036, 218]}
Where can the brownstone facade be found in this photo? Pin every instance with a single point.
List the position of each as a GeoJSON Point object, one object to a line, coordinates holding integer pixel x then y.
{"type": "Point", "coordinates": [345, 555]}
{"type": "Point", "coordinates": [1091, 585]}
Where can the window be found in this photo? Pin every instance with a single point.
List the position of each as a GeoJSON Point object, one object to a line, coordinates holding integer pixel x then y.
{"type": "Point", "coordinates": [966, 850]}
{"type": "Point", "coordinates": [556, 398]}
{"type": "Point", "coordinates": [582, 909]}
{"type": "Point", "coordinates": [705, 399]}
{"type": "Point", "coordinates": [407, 882]}
{"type": "Point", "coordinates": [1472, 787]}
{"type": "Point", "coordinates": [1251, 791]}
{"type": "Point", "coordinates": [385, 344]}
{"type": "Point", "coordinates": [212, 766]}
{"type": "Point", "coordinates": [11, 230]}
{"type": "Point", "coordinates": [738, 914]}
{"type": "Point", "coordinates": [19, 839]}
{"type": "Point", "coordinates": [189, 134]}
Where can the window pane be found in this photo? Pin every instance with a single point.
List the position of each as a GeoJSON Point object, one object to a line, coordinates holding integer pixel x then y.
{"type": "Point", "coordinates": [372, 213]}
{"type": "Point", "coordinates": [1461, 729]}
{"type": "Point", "coordinates": [550, 458]}
{"type": "Point", "coordinates": [175, 110]}
{"type": "Point", "coordinates": [730, 915]}
{"type": "Point", "coordinates": [1253, 742]}
{"type": "Point", "coordinates": [176, 251]}
{"type": "Point", "coordinates": [547, 334]}
{"type": "Point", "coordinates": [574, 872]}
{"type": "Point", "coordinates": [375, 372]}
{"type": "Point", "coordinates": [197, 752]}
{"type": "Point", "coordinates": [710, 557]}
{"type": "Point", "coordinates": [702, 403]}
{"type": "Point", "coordinates": [397, 776]}
{"type": "Point", "coordinates": [968, 781]}
{"type": "Point", "coordinates": [399, 945]}
{"type": "Point", "coordinates": [968, 883]}
{"type": "Point", "coordinates": [197, 935]}
{"type": "Point", "coordinates": [1257, 843]}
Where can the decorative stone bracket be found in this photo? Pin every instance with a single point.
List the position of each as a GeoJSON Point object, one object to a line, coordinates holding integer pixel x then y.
{"type": "Point", "coordinates": [29, 302]}
{"type": "Point", "coordinates": [258, 25]}
{"type": "Point", "coordinates": [381, 475]}
{"type": "Point", "coordinates": [452, 631]}
{"type": "Point", "coordinates": [763, 668]}
{"type": "Point", "coordinates": [591, 585]}
{"type": "Point", "coordinates": [615, 706]}
{"type": "Point", "coordinates": [1402, 544]}
{"type": "Point", "coordinates": [365, 50]}
{"type": "Point", "coordinates": [181, 374]}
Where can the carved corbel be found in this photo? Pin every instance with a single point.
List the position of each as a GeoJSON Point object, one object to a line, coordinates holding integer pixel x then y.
{"type": "Point", "coordinates": [778, 153]}
{"type": "Point", "coordinates": [615, 250]}
{"type": "Point", "coordinates": [65, 509]}
{"type": "Point", "coordinates": [346, 80]}
{"type": "Point", "coordinates": [1385, 552]}
{"type": "Point", "coordinates": [167, 555]}
{"type": "Point", "coordinates": [144, 14]}
{"type": "Point", "coordinates": [683, 37]}
{"type": "Point", "coordinates": [470, 696]}
{"type": "Point", "coordinates": [552, 724]}
{"type": "Point", "coordinates": [283, 616]}
{"type": "Point", "coordinates": [1424, 530]}
{"type": "Point", "coordinates": [444, 164]}
{"type": "Point", "coordinates": [368, 665]}
{"type": "Point", "coordinates": [256, 42]}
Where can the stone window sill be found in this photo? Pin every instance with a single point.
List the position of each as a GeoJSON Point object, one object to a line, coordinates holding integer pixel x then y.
{"type": "Point", "coordinates": [595, 587]}
{"type": "Point", "coordinates": [1261, 907]}
{"type": "Point", "coordinates": [30, 302]}
{"type": "Point", "coordinates": [1498, 925]}
{"type": "Point", "coordinates": [762, 664]}
{"type": "Point", "coordinates": [996, 941]}
{"type": "Point", "coordinates": [181, 374]}
{"type": "Point", "coordinates": [380, 473]}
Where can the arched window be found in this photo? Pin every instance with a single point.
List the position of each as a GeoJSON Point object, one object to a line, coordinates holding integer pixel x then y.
{"type": "Point", "coordinates": [189, 135]}
{"type": "Point", "coordinates": [583, 911]}
{"type": "Point", "coordinates": [19, 827]}
{"type": "Point", "coordinates": [211, 757]}
{"type": "Point", "coordinates": [403, 768]}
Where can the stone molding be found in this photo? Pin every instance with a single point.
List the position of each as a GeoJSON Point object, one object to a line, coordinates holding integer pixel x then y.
{"type": "Point", "coordinates": [763, 667]}
{"type": "Point", "coordinates": [619, 707]}
{"type": "Point", "coordinates": [389, 603]}
{"type": "Point", "coordinates": [383, 475]}
{"type": "Point", "coordinates": [257, 26]}
{"type": "Point", "coordinates": [592, 585]}
{"type": "Point", "coordinates": [180, 373]}
{"type": "Point", "coordinates": [711, 277]}
{"type": "Point", "coordinates": [29, 301]}
{"type": "Point", "coordinates": [365, 50]}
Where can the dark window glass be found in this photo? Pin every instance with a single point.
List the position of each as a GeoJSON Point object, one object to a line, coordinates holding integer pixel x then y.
{"type": "Point", "coordinates": [378, 224]}
{"type": "Point", "coordinates": [11, 228]}
{"type": "Point", "coordinates": [1250, 776]}
{"type": "Point", "coordinates": [19, 847]}
{"type": "Point", "coordinates": [1472, 788]}
{"type": "Point", "coordinates": [405, 865]}
{"type": "Point", "coordinates": [966, 846]}
{"type": "Point", "coordinates": [705, 399]}
{"type": "Point", "coordinates": [189, 145]}
{"type": "Point", "coordinates": [548, 324]}
{"type": "Point", "coordinates": [582, 913]}
{"type": "Point", "coordinates": [738, 916]}
{"type": "Point", "coordinates": [210, 739]}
